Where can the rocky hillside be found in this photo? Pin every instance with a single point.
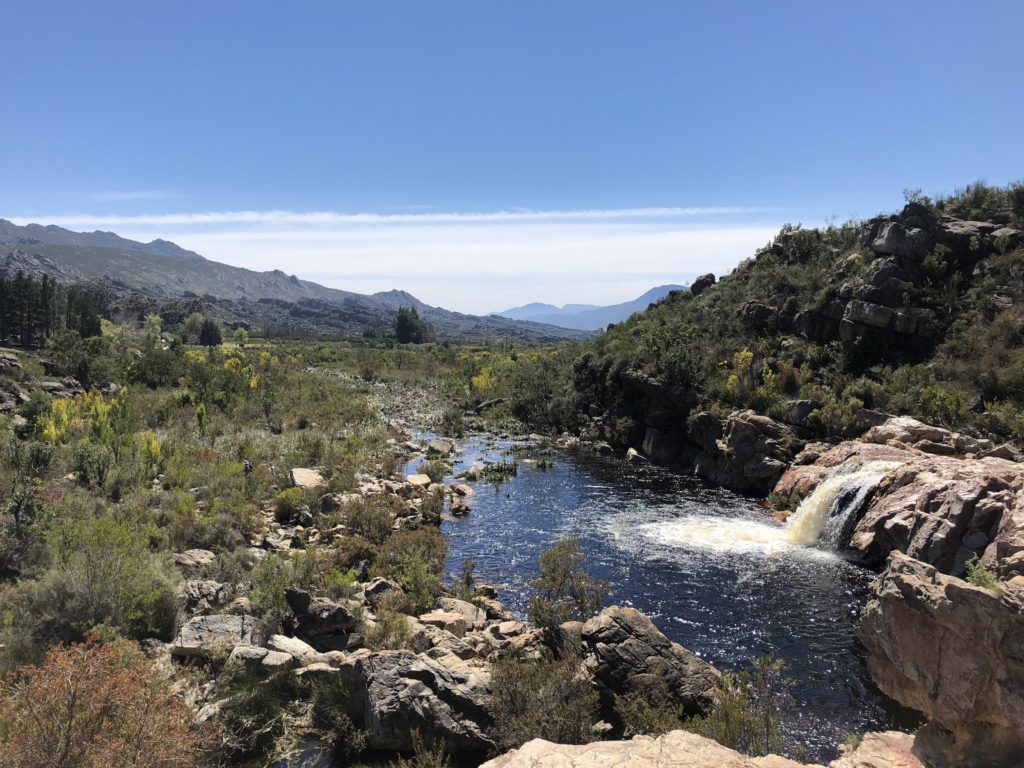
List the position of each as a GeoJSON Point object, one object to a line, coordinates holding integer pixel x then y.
{"type": "Point", "coordinates": [823, 334]}
{"type": "Point", "coordinates": [166, 274]}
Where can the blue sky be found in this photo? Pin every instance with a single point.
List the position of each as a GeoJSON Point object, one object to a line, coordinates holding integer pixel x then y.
{"type": "Point", "coordinates": [471, 131]}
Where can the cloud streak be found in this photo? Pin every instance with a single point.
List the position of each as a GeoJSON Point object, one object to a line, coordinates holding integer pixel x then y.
{"type": "Point", "coordinates": [327, 218]}
{"type": "Point", "coordinates": [469, 261]}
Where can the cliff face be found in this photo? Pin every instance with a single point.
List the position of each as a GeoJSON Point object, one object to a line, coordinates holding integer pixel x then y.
{"type": "Point", "coordinates": [956, 653]}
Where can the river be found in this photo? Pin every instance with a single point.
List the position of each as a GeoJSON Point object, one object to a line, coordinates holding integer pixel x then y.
{"type": "Point", "coordinates": [712, 570]}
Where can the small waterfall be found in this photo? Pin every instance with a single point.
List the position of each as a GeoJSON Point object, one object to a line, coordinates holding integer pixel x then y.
{"type": "Point", "coordinates": [830, 512]}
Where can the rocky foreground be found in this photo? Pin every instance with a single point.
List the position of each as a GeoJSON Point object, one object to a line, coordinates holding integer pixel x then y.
{"type": "Point", "coordinates": [937, 643]}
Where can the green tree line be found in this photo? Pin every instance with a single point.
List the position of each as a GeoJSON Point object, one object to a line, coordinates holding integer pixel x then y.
{"type": "Point", "coordinates": [33, 309]}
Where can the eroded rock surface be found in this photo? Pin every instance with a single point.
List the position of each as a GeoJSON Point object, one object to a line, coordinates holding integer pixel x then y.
{"type": "Point", "coordinates": [627, 653]}
{"type": "Point", "coordinates": [747, 452]}
{"type": "Point", "coordinates": [216, 636]}
{"type": "Point", "coordinates": [397, 692]}
{"type": "Point", "coordinates": [888, 749]}
{"type": "Point", "coordinates": [954, 652]}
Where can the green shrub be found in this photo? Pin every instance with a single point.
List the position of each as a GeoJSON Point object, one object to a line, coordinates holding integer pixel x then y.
{"type": "Point", "coordinates": [541, 699]}
{"type": "Point", "coordinates": [978, 576]}
{"type": "Point", "coordinates": [103, 572]}
{"type": "Point", "coordinates": [272, 576]}
{"type": "Point", "coordinates": [368, 519]}
{"type": "Point", "coordinates": [340, 584]}
{"type": "Point", "coordinates": [391, 632]}
{"type": "Point", "coordinates": [435, 470]}
{"type": "Point", "coordinates": [452, 423]}
{"type": "Point", "coordinates": [750, 709]}
{"type": "Point", "coordinates": [93, 462]}
{"type": "Point", "coordinates": [289, 501]}
{"type": "Point", "coordinates": [415, 559]}
{"type": "Point", "coordinates": [651, 712]}
{"type": "Point", "coordinates": [563, 590]}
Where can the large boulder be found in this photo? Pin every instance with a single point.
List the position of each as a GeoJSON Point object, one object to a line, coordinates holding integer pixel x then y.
{"type": "Point", "coordinates": [194, 562]}
{"type": "Point", "coordinates": [954, 652]}
{"type": "Point", "coordinates": [316, 616]}
{"type": "Point", "coordinates": [216, 636]}
{"type": "Point", "coordinates": [626, 653]}
{"type": "Point", "coordinates": [398, 692]}
{"type": "Point", "coordinates": [907, 432]}
{"type": "Point", "coordinates": [678, 749]}
{"type": "Point", "coordinates": [701, 284]}
{"type": "Point", "coordinates": [747, 452]}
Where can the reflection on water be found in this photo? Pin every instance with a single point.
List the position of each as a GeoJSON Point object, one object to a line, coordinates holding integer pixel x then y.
{"type": "Point", "coordinates": [709, 567]}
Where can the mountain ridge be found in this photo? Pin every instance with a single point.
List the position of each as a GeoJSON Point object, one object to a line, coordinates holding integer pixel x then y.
{"type": "Point", "coordinates": [165, 271]}
{"type": "Point", "coordinates": [588, 317]}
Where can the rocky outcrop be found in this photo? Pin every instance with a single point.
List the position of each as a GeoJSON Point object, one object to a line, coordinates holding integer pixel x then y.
{"type": "Point", "coordinates": [213, 637]}
{"type": "Point", "coordinates": [747, 452]}
{"type": "Point", "coordinates": [954, 652]}
{"type": "Point", "coordinates": [940, 509]}
{"type": "Point", "coordinates": [194, 562]}
{"type": "Point", "coordinates": [681, 749]}
{"type": "Point", "coordinates": [702, 283]}
{"type": "Point", "coordinates": [397, 692]}
{"type": "Point", "coordinates": [678, 749]}
{"type": "Point", "coordinates": [905, 432]}
{"type": "Point", "coordinates": [879, 302]}
{"type": "Point", "coordinates": [626, 653]}
{"type": "Point", "coordinates": [316, 616]}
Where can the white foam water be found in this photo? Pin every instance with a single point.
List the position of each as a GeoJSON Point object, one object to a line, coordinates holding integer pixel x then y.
{"type": "Point", "coordinates": [830, 506]}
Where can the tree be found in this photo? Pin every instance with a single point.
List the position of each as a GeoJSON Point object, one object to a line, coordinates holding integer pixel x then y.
{"type": "Point", "coordinates": [563, 590]}
{"type": "Point", "coordinates": [92, 706]}
{"type": "Point", "coordinates": [241, 336]}
{"type": "Point", "coordinates": [209, 333]}
{"type": "Point", "coordinates": [194, 324]}
{"type": "Point", "coordinates": [410, 328]}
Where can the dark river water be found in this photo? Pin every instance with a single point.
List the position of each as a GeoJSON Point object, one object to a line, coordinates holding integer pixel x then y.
{"type": "Point", "coordinates": [708, 566]}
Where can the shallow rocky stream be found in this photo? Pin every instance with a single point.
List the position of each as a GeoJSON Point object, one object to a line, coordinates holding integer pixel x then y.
{"type": "Point", "coordinates": [708, 566]}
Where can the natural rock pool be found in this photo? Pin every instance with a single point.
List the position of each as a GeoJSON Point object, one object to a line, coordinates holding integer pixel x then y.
{"type": "Point", "coordinates": [708, 566]}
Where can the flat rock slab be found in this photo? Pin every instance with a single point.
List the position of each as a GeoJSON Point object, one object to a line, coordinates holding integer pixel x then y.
{"type": "Point", "coordinates": [678, 749]}
{"type": "Point", "coordinates": [307, 479]}
{"type": "Point", "coordinates": [212, 636]}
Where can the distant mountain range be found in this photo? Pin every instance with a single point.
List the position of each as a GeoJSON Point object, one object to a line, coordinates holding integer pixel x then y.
{"type": "Point", "coordinates": [166, 272]}
{"type": "Point", "coordinates": [587, 317]}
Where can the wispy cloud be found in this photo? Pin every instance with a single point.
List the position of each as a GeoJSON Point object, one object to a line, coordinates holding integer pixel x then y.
{"type": "Point", "coordinates": [322, 218]}
{"type": "Point", "coordinates": [129, 195]}
{"type": "Point", "coordinates": [469, 261]}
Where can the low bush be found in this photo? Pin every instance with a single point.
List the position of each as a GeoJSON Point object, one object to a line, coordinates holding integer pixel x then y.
{"type": "Point", "coordinates": [415, 559]}
{"type": "Point", "coordinates": [977, 575]}
{"type": "Point", "coordinates": [750, 709]}
{"type": "Point", "coordinates": [93, 706]}
{"type": "Point", "coordinates": [103, 572]}
{"type": "Point", "coordinates": [563, 590]}
{"type": "Point", "coordinates": [547, 699]}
